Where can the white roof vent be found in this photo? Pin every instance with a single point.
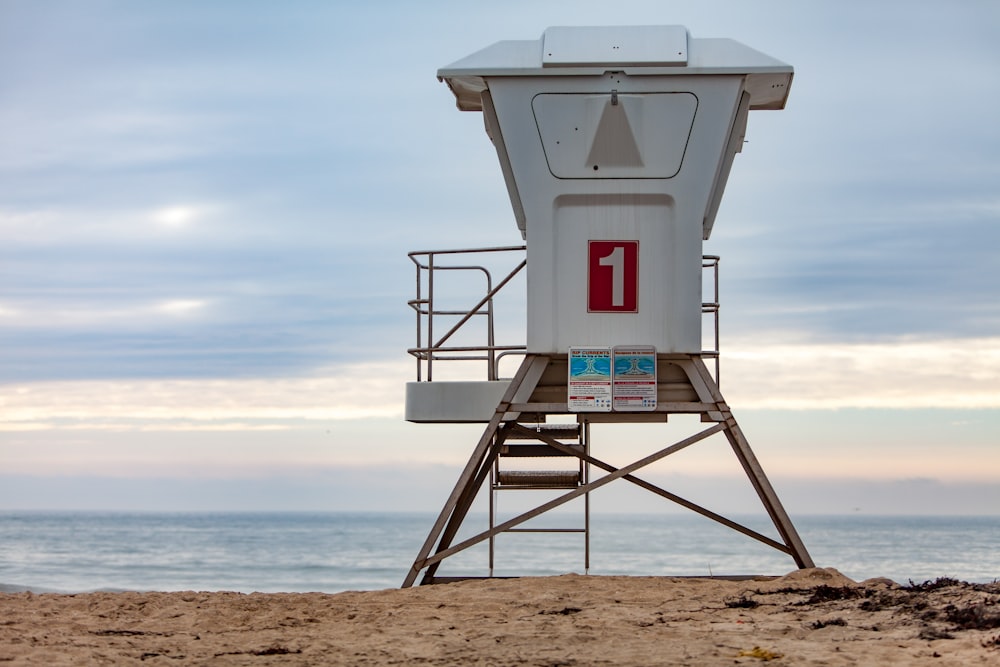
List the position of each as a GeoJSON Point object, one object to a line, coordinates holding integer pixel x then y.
{"type": "Point", "coordinates": [650, 46]}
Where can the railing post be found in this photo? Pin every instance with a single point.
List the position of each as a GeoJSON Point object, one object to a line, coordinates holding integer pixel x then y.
{"type": "Point", "coordinates": [420, 342]}
{"type": "Point", "coordinates": [490, 340]}
{"type": "Point", "coordinates": [430, 314]}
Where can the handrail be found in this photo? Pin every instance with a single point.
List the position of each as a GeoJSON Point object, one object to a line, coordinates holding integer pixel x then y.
{"type": "Point", "coordinates": [475, 309]}
{"type": "Point", "coordinates": [711, 262]}
{"type": "Point", "coordinates": [428, 350]}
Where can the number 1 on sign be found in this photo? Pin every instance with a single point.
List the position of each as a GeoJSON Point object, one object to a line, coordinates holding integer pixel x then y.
{"type": "Point", "coordinates": [613, 276]}
{"type": "Point", "coordinates": [616, 260]}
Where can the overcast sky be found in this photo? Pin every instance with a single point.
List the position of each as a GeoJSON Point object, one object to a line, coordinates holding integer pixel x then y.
{"type": "Point", "coordinates": [205, 210]}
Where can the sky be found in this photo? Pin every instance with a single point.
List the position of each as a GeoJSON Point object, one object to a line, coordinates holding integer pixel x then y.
{"type": "Point", "coordinates": [205, 212]}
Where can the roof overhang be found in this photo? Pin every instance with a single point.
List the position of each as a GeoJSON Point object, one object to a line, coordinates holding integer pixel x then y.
{"type": "Point", "coordinates": [634, 50]}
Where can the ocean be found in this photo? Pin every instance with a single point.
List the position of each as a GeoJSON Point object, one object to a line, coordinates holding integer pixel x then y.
{"type": "Point", "coordinates": [72, 552]}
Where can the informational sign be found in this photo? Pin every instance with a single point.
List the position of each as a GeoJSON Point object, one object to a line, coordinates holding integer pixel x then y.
{"type": "Point", "coordinates": [634, 382]}
{"type": "Point", "coordinates": [589, 381]}
{"type": "Point", "coordinates": [613, 277]}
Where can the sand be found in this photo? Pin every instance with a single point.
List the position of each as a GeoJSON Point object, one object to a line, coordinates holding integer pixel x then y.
{"type": "Point", "coordinates": [809, 617]}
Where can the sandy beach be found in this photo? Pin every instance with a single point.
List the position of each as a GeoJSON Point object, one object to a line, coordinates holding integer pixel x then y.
{"type": "Point", "coordinates": [809, 617]}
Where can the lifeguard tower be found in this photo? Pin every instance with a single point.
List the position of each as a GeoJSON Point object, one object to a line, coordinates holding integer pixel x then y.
{"type": "Point", "coordinates": [615, 144]}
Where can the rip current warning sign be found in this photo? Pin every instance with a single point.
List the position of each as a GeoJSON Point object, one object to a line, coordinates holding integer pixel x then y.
{"type": "Point", "coordinates": [634, 385]}
{"type": "Point", "coordinates": [605, 379]}
{"type": "Point", "coordinates": [589, 381]}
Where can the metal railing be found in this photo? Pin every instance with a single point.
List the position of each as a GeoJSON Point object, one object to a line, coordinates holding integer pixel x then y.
{"type": "Point", "coordinates": [710, 265]}
{"type": "Point", "coordinates": [429, 350]}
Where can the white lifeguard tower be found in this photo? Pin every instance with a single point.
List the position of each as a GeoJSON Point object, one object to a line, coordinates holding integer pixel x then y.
{"type": "Point", "coordinates": [615, 144]}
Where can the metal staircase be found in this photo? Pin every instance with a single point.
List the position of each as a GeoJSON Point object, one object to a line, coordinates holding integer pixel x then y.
{"type": "Point", "coordinates": [524, 449]}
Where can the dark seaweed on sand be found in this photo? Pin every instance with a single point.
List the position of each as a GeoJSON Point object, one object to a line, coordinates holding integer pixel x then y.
{"type": "Point", "coordinates": [940, 582]}
{"type": "Point", "coordinates": [742, 602]}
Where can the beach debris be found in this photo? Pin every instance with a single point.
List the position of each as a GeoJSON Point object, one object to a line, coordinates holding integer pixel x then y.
{"type": "Point", "coordinates": [759, 653]}
{"type": "Point", "coordinates": [565, 611]}
{"type": "Point", "coordinates": [270, 650]}
{"type": "Point", "coordinates": [924, 601]}
{"type": "Point", "coordinates": [818, 625]}
{"type": "Point", "coordinates": [123, 633]}
{"type": "Point", "coordinates": [977, 616]}
{"type": "Point", "coordinates": [276, 650]}
{"type": "Point", "coordinates": [930, 633]}
{"type": "Point", "coordinates": [940, 582]}
{"type": "Point", "coordinates": [934, 605]}
{"type": "Point", "coordinates": [153, 654]}
{"type": "Point", "coordinates": [824, 593]}
{"type": "Point", "coordinates": [742, 602]}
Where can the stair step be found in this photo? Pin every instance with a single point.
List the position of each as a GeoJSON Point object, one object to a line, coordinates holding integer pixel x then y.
{"type": "Point", "coordinates": [541, 479]}
{"type": "Point", "coordinates": [557, 431]}
{"type": "Point", "coordinates": [535, 450]}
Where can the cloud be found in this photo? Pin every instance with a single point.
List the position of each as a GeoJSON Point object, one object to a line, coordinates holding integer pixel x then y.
{"type": "Point", "coordinates": [103, 230]}
{"type": "Point", "coordinates": [181, 307]}
{"type": "Point", "coordinates": [106, 316]}
{"type": "Point", "coordinates": [905, 374]}
{"type": "Point", "coordinates": [349, 392]}
{"type": "Point", "coordinates": [177, 217]}
{"type": "Point", "coordinates": [955, 374]}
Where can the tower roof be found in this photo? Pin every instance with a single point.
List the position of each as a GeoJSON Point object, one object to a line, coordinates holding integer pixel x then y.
{"type": "Point", "coordinates": [635, 50]}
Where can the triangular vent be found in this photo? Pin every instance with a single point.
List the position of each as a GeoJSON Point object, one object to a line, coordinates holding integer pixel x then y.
{"type": "Point", "coordinates": [614, 142]}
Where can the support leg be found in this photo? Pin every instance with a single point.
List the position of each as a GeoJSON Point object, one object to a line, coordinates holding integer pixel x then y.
{"type": "Point", "coordinates": [527, 376]}
{"type": "Point", "coordinates": [701, 378]}
{"type": "Point", "coordinates": [465, 504]}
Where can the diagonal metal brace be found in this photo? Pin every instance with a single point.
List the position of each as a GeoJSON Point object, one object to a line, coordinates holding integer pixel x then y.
{"type": "Point", "coordinates": [749, 532]}
{"type": "Point", "coordinates": [575, 493]}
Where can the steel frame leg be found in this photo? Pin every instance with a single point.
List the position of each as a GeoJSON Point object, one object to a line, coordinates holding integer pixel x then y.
{"type": "Point", "coordinates": [707, 387]}
{"type": "Point", "coordinates": [476, 470]}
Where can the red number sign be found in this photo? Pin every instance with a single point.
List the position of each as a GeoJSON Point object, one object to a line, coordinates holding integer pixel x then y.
{"type": "Point", "coordinates": [613, 277]}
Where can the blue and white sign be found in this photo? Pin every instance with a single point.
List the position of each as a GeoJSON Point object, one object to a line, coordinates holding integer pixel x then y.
{"type": "Point", "coordinates": [634, 384]}
{"type": "Point", "coordinates": [589, 381]}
